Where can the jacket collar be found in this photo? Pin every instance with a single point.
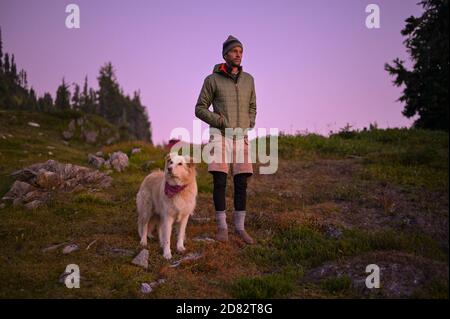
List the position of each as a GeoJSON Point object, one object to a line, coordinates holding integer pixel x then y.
{"type": "Point", "coordinates": [225, 69]}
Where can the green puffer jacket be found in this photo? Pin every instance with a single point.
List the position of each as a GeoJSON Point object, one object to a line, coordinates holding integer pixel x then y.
{"type": "Point", "coordinates": [235, 100]}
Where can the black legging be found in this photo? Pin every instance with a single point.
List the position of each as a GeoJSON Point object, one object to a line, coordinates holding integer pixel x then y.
{"type": "Point", "coordinates": [240, 191]}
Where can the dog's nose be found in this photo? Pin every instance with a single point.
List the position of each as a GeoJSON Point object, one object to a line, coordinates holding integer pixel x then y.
{"type": "Point", "coordinates": [169, 169]}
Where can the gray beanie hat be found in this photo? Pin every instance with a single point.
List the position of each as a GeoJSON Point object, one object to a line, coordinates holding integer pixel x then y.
{"type": "Point", "coordinates": [230, 43]}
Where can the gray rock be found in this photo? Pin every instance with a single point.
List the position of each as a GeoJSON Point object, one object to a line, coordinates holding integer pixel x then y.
{"type": "Point", "coordinates": [80, 121]}
{"type": "Point", "coordinates": [122, 252]}
{"type": "Point", "coordinates": [146, 288]}
{"type": "Point", "coordinates": [70, 248]}
{"type": "Point", "coordinates": [34, 124]}
{"type": "Point", "coordinates": [18, 189]}
{"type": "Point", "coordinates": [190, 256]}
{"type": "Point", "coordinates": [205, 239]}
{"type": "Point", "coordinates": [53, 247]}
{"type": "Point", "coordinates": [99, 154]}
{"type": "Point", "coordinates": [135, 150]}
{"type": "Point", "coordinates": [96, 161]}
{"type": "Point", "coordinates": [47, 179]}
{"type": "Point", "coordinates": [119, 161]}
{"type": "Point", "coordinates": [112, 139]}
{"type": "Point", "coordinates": [72, 125]}
{"type": "Point", "coordinates": [91, 136]}
{"type": "Point", "coordinates": [34, 204]}
{"type": "Point", "coordinates": [35, 184]}
{"type": "Point", "coordinates": [141, 259]}
{"type": "Point", "coordinates": [67, 135]}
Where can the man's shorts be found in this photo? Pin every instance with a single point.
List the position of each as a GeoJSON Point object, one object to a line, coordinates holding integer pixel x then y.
{"type": "Point", "coordinates": [241, 163]}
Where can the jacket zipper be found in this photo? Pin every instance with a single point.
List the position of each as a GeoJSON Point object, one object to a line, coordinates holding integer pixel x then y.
{"type": "Point", "coordinates": [237, 99]}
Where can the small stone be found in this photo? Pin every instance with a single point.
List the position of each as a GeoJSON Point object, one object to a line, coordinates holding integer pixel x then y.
{"type": "Point", "coordinates": [190, 256]}
{"type": "Point", "coordinates": [67, 135]}
{"type": "Point", "coordinates": [121, 251]}
{"type": "Point", "coordinates": [141, 259]}
{"type": "Point", "coordinates": [33, 204]}
{"type": "Point", "coordinates": [135, 150]}
{"type": "Point", "coordinates": [34, 124]}
{"type": "Point", "coordinates": [72, 125]}
{"type": "Point", "coordinates": [50, 153]}
{"type": "Point", "coordinates": [91, 136]}
{"type": "Point", "coordinates": [53, 247]}
{"type": "Point", "coordinates": [2, 205]}
{"type": "Point", "coordinates": [96, 160]}
{"type": "Point", "coordinates": [146, 288]}
{"type": "Point", "coordinates": [70, 248]}
{"type": "Point", "coordinates": [119, 160]}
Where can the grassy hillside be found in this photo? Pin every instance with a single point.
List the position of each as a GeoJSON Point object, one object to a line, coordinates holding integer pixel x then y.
{"type": "Point", "coordinates": [335, 205]}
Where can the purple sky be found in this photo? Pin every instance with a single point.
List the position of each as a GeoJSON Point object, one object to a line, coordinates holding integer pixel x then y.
{"type": "Point", "coordinates": [316, 66]}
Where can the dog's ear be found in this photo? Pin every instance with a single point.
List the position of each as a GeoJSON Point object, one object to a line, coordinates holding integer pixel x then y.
{"type": "Point", "coordinates": [168, 157]}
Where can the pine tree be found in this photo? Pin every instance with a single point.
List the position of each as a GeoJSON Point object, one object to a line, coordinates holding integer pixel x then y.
{"type": "Point", "coordinates": [7, 66]}
{"type": "Point", "coordinates": [32, 100]}
{"type": "Point", "coordinates": [76, 97]}
{"type": "Point", "coordinates": [13, 73]}
{"type": "Point", "coordinates": [62, 101]}
{"type": "Point", "coordinates": [109, 98]}
{"type": "Point", "coordinates": [1, 52]}
{"type": "Point", "coordinates": [45, 103]}
{"type": "Point", "coordinates": [426, 85]}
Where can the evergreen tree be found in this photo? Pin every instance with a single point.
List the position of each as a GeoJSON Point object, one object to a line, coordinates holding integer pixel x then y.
{"type": "Point", "coordinates": [7, 65]}
{"type": "Point", "coordinates": [62, 101]}
{"type": "Point", "coordinates": [13, 73]}
{"type": "Point", "coordinates": [426, 85]}
{"type": "Point", "coordinates": [1, 52]}
{"type": "Point", "coordinates": [45, 103]}
{"type": "Point", "coordinates": [76, 97]}
{"type": "Point", "coordinates": [109, 98]}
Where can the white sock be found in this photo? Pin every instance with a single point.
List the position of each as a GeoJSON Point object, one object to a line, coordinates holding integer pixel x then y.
{"type": "Point", "coordinates": [239, 219]}
{"type": "Point", "coordinates": [221, 219]}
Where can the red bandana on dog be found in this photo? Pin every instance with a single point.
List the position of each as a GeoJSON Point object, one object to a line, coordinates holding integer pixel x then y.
{"type": "Point", "coordinates": [172, 190]}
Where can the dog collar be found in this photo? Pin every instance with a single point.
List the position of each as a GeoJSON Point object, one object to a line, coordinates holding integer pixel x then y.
{"type": "Point", "coordinates": [172, 190]}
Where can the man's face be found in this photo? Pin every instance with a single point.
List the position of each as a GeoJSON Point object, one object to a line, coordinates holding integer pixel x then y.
{"type": "Point", "coordinates": [234, 56]}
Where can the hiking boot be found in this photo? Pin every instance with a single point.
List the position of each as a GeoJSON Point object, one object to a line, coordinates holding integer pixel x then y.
{"type": "Point", "coordinates": [222, 235]}
{"type": "Point", "coordinates": [245, 236]}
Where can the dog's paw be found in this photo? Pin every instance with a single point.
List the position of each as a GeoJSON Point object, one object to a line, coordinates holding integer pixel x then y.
{"type": "Point", "coordinates": [181, 248]}
{"type": "Point", "coordinates": [167, 255]}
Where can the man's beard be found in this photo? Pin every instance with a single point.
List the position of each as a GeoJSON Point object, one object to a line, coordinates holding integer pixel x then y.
{"type": "Point", "coordinates": [234, 64]}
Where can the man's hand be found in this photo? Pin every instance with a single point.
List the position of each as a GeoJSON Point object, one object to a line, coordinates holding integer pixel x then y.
{"type": "Point", "coordinates": [221, 121]}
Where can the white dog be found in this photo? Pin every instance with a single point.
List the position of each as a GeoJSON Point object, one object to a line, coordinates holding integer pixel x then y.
{"type": "Point", "coordinates": [166, 197]}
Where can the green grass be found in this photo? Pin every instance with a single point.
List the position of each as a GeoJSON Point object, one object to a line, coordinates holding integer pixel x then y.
{"type": "Point", "coordinates": [404, 156]}
{"type": "Point", "coordinates": [413, 159]}
{"type": "Point", "coordinates": [337, 284]}
{"type": "Point", "coordinates": [263, 287]}
{"type": "Point", "coordinates": [307, 247]}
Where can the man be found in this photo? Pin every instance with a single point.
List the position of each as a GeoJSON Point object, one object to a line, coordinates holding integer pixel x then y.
{"type": "Point", "coordinates": [231, 91]}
